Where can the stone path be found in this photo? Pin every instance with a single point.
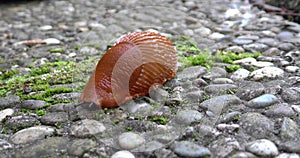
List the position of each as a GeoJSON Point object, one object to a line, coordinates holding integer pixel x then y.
{"type": "Point", "coordinates": [251, 112]}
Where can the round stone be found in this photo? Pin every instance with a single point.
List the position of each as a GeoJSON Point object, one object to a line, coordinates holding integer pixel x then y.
{"type": "Point", "coordinates": [262, 101]}
{"type": "Point", "coordinates": [87, 128]}
{"type": "Point", "coordinates": [33, 104]}
{"type": "Point", "coordinates": [189, 149]}
{"type": "Point", "coordinates": [267, 72]}
{"type": "Point", "coordinates": [123, 154]}
{"type": "Point", "coordinates": [130, 140]}
{"type": "Point", "coordinates": [240, 74]}
{"type": "Point", "coordinates": [5, 112]}
{"type": "Point", "coordinates": [188, 116]}
{"type": "Point", "coordinates": [262, 147]}
{"type": "Point", "coordinates": [31, 134]}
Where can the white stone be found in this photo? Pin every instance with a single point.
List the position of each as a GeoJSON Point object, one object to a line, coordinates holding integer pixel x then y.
{"type": "Point", "coordinates": [31, 134]}
{"type": "Point", "coordinates": [130, 140]}
{"type": "Point", "coordinates": [267, 72]}
{"type": "Point", "coordinates": [51, 41]}
{"type": "Point", "coordinates": [292, 69]}
{"type": "Point", "coordinates": [261, 64]}
{"type": "Point", "coordinates": [245, 61]}
{"type": "Point", "coordinates": [46, 27]}
{"type": "Point", "coordinates": [262, 147]}
{"type": "Point", "coordinates": [72, 54]}
{"type": "Point", "coordinates": [216, 36]}
{"type": "Point", "coordinates": [231, 127]}
{"type": "Point", "coordinates": [288, 155]}
{"type": "Point", "coordinates": [296, 108]}
{"type": "Point", "coordinates": [240, 74]}
{"type": "Point", "coordinates": [123, 154]}
{"type": "Point", "coordinates": [5, 112]}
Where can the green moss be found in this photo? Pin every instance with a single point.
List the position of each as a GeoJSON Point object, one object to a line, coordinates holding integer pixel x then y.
{"type": "Point", "coordinates": [229, 57]}
{"type": "Point", "coordinates": [159, 120]}
{"type": "Point", "coordinates": [56, 50]}
{"type": "Point", "coordinates": [40, 112]}
{"type": "Point", "coordinates": [232, 68]}
{"type": "Point", "coordinates": [129, 128]}
{"type": "Point", "coordinates": [7, 74]}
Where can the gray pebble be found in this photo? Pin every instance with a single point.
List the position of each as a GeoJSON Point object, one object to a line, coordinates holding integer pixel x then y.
{"type": "Point", "coordinates": [6, 112]}
{"type": "Point", "coordinates": [190, 149]}
{"type": "Point", "coordinates": [262, 147]}
{"type": "Point", "coordinates": [130, 140]}
{"type": "Point", "coordinates": [33, 104]}
{"type": "Point", "coordinates": [262, 101]}
{"type": "Point", "coordinates": [256, 125]}
{"type": "Point", "coordinates": [217, 89]}
{"type": "Point", "coordinates": [240, 74]}
{"type": "Point", "coordinates": [291, 95]}
{"type": "Point", "coordinates": [78, 146]}
{"type": "Point", "coordinates": [289, 129]}
{"type": "Point", "coordinates": [10, 101]}
{"type": "Point", "coordinates": [54, 118]}
{"type": "Point", "coordinates": [188, 116]}
{"type": "Point", "coordinates": [256, 47]}
{"type": "Point", "coordinates": [191, 72]}
{"type": "Point", "coordinates": [31, 134]}
{"type": "Point", "coordinates": [87, 128]}
{"type": "Point", "coordinates": [123, 154]}
{"type": "Point", "coordinates": [285, 35]}
{"type": "Point", "coordinates": [249, 89]}
{"type": "Point", "coordinates": [280, 110]}
{"type": "Point", "coordinates": [266, 72]}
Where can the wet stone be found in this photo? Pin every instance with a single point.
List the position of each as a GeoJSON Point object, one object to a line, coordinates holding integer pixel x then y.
{"type": "Point", "coordinates": [130, 140]}
{"type": "Point", "coordinates": [5, 112]}
{"type": "Point", "coordinates": [248, 90]}
{"type": "Point", "coordinates": [191, 72]}
{"type": "Point", "coordinates": [10, 101]}
{"type": "Point", "coordinates": [31, 134]}
{"type": "Point", "coordinates": [78, 146]}
{"type": "Point", "coordinates": [123, 154]}
{"type": "Point", "coordinates": [240, 74]}
{"type": "Point", "coordinates": [188, 116]}
{"type": "Point", "coordinates": [220, 88]}
{"type": "Point", "coordinates": [20, 122]}
{"type": "Point", "coordinates": [190, 149]}
{"type": "Point", "coordinates": [291, 95]}
{"type": "Point", "coordinates": [33, 104]}
{"type": "Point", "coordinates": [262, 101]}
{"type": "Point", "coordinates": [262, 147]}
{"type": "Point", "coordinates": [44, 148]}
{"type": "Point", "coordinates": [256, 125]}
{"type": "Point", "coordinates": [289, 129]}
{"type": "Point", "coordinates": [87, 128]}
{"type": "Point", "coordinates": [54, 118]}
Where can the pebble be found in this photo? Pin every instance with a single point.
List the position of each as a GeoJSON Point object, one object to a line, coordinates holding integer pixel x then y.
{"type": "Point", "coordinates": [31, 134]}
{"type": "Point", "coordinates": [262, 147]}
{"type": "Point", "coordinates": [242, 41]}
{"type": "Point", "coordinates": [33, 104]}
{"type": "Point", "coordinates": [266, 72]}
{"type": "Point", "coordinates": [285, 35]}
{"type": "Point", "coordinates": [87, 128]}
{"type": "Point", "coordinates": [188, 116]}
{"type": "Point", "coordinates": [21, 121]}
{"type": "Point", "coordinates": [190, 149]}
{"type": "Point", "coordinates": [216, 72]}
{"type": "Point", "coordinates": [240, 74]}
{"type": "Point", "coordinates": [280, 110]}
{"type": "Point", "coordinates": [236, 49]}
{"type": "Point", "coordinates": [6, 112]}
{"type": "Point", "coordinates": [272, 52]}
{"type": "Point", "coordinates": [130, 140]}
{"type": "Point", "coordinates": [5, 145]}
{"type": "Point", "coordinates": [123, 154]}
{"type": "Point", "coordinates": [222, 81]}
{"type": "Point", "coordinates": [9, 101]}
{"type": "Point", "coordinates": [248, 90]}
{"type": "Point", "coordinates": [262, 101]}
{"type": "Point", "coordinates": [216, 36]}
{"type": "Point", "coordinates": [292, 69]}
{"type": "Point", "coordinates": [256, 47]}
{"type": "Point", "coordinates": [191, 72]}
{"type": "Point", "coordinates": [194, 96]}
{"type": "Point", "coordinates": [291, 95]}
{"type": "Point", "coordinates": [54, 118]}
{"type": "Point", "coordinates": [289, 129]}
{"type": "Point", "coordinates": [288, 155]}
{"type": "Point", "coordinates": [138, 108]}
{"type": "Point", "coordinates": [217, 89]}
{"type": "Point", "coordinates": [79, 146]}
{"type": "Point", "coordinates": [256, 125]}
{"type": "Point", "coordinates": [51, 41]}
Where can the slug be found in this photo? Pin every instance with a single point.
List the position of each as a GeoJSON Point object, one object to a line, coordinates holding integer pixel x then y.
{"type": "Point", "coordinates": [138, 62]}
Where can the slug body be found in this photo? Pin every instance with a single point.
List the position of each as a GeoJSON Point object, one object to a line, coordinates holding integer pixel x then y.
{"type": "Point", "coordinates": [138, 62]}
